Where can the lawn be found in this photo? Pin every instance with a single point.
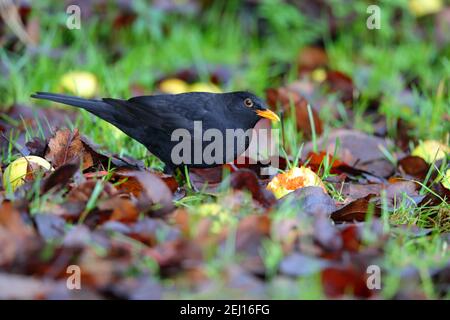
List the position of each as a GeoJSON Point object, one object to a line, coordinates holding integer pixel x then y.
{"type": "Point", "coordinates": [366, 110]}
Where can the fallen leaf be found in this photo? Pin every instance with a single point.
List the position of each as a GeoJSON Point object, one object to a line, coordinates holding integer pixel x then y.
{"type": "Point", "coordinates": [27, 287]}
{"type": "Point", "coordinates": [317, 161]}
{"type": "Point", "coordinates": [17, 239]}
{"type": "Point", "coordinates": [149, 230]}
{"type": "Point", "coordinates": [97, 270]}
{"type": "Point", "coordinates": [77, 237]}
{"type": "Point", "coordinates": [83, 192]}
{"type": "Point", "coordinates": [50, 226]}
{"type": "Point", "coordinates": [208, 179]}
{"type": "Point", "coordinates": [340, 83]}
{"type": "Point", "coordinates": [359, 150]}
{"type": "Point", "coordinates": [297, 264]}
{"type": "Point", "coordinates": [238, 279]}
{"type": "Point", "coordinates": [326, 234]}
{"type": "Point", "coordinates": [137, 288]}
{"type": "Point", "coordinates": [246, 179]}
{"type": "Point", "coordinates": [250, 233]}
{"type": "Point", "coordinates": [340, 281]}
{"type": "Point", "coordinates": [10, 219]}
{"type": "Point", "coordinates": [173, 255]}
{"type": "Point", "coordinates": [60, 177]}
{"type": "Point", "coordinates": [169, 180]}
{"type": "Point", "coordinates": [66, 146]}
{"type": "Point", "coordinates": [355, 211]}
{"type": "Point", "coordinates": [155, 196]}
{"type": "Point", "coordinates": [310, 201]}
{"type": "Point", "coordinates": [350, 238]}
{"type": "Point", "coordinates": [353, 191]}
{"type": "Point", "coordinates": [394, 192]}
{"type": "Point", "coordinates": [107, 159]}
{"type": "Point", "coordinates": [414, 166]}
{"type": "Point", "coordinates": [37, 147]}
{"type": "Point", "coordinates": [121, 209]}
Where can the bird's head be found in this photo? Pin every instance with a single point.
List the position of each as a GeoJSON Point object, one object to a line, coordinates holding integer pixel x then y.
{"type": "Point", "coordinates": [247, 104]}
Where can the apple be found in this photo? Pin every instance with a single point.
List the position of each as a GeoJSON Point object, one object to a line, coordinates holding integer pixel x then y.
{"type": "Point", "coordinates": [80, 83]}
{"type": "Point", "coordinates": [18, 171]}
{"type": "Point", "coordinates": [431, 150]}
{"type": "Point", "coordinates": [296, 178]}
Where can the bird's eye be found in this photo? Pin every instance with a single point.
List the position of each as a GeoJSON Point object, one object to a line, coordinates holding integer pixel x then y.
{"type": "Point", "coordinates": [248, 102]}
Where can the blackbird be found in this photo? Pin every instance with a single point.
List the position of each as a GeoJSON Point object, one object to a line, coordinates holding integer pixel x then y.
{"type": "Point", "coordinates": [152, 120]}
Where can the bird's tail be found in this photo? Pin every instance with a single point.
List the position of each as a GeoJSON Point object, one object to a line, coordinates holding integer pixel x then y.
{"type": "Point", "coordinates": [88, 104]}
{"type": "Point", "coordinates": [115, 111]}
{"type": "Point", "coordinates": [97, 107]}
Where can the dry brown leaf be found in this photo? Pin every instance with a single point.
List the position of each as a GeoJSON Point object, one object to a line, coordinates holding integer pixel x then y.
{"type": "Point", "coordinates": [356, 211]}
{"type": "Point", "coordinates": [122, 209]}
{"type": "Point", "coordinates": [66, 146]}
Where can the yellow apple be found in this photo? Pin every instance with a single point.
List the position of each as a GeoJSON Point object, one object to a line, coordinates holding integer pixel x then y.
{"type": "Point", "coordinates": [295, 178]}
{"type": "Point", "coordinates": [204, 87]}
{"type": "Point", "coordinates": [173, 86]}
{"type": "Point", "coordinates": [431, 150]}
{"type": "Point", "coordinates": [446, 179]}
{"type": "Point", "coordinates": [423, 7]}
{"type": "Point", "coordinates": [22, 168]}
{"type": "Point", "coordinates": [80, 83]}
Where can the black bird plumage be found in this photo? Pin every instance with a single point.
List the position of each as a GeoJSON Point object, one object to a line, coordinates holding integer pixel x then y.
{"type": "Point", "coordinates": [152, 119]}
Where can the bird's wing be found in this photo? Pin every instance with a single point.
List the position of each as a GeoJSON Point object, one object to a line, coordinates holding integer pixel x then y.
{"type": "Point", "coordinates": [169, 112]}
{"type": "Point", "coordinates": [158, 116]}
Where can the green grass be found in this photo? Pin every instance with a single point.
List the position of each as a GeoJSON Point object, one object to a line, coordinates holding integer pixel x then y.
{"type": "Point", "coordinates": [159, 43]}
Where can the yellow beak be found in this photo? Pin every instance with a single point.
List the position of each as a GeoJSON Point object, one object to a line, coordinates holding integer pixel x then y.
{"type": "Point", "coordinates": [268, 115]}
